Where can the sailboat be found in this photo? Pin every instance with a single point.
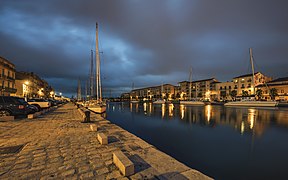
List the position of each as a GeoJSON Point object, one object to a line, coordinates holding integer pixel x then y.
{"type": "Point", "coordinates": [97, 106]}
{"type": "Point", "coordinates": [161, 100]}
{"type": "Point", "coordinates": [133, 100]}
{"type": "Point", "coordinates": [190, 101]}
{"type": "Point", "coordinates": [252, 102]}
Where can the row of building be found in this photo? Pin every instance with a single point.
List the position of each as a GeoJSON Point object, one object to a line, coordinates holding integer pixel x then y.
{"type": "Point", "coordinates": [22, 84]}
{"type": "Point", "coordinates": [213, 90]}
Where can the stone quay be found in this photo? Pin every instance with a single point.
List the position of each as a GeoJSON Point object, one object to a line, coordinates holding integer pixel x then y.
{"type": "Point", "coordinates": [58, 145]}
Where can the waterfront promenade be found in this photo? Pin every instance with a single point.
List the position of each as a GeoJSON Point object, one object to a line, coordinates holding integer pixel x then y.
{"type": "Point", "coordinates": [57, 145]}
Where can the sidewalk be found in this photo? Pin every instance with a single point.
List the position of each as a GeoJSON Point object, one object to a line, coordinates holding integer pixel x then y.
{"type": "Point", "coordinates": [57, 145]}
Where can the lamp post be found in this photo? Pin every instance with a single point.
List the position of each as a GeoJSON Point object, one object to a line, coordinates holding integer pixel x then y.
{"type": "Point", "coordinates": [26, 90]}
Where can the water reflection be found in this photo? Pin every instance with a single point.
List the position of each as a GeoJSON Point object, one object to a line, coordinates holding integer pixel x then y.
{"type": "Point", "coordinates": [244, 120]}
{"type": "Point", "coordinates": [222, 142]}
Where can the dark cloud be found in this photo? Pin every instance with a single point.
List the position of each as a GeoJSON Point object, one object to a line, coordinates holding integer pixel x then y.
{"type": "Point", "coordinates": [145, 42]}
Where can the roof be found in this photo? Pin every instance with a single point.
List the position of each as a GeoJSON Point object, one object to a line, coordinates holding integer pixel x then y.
{"type": "Point", "coordinates": [246, 75]}
{"type": "Point", "coordinates": [279, 79]}
{"type": "Point", "coordinates": [198, 80]}
{"type": "Point", "coordinates": [151, 87]}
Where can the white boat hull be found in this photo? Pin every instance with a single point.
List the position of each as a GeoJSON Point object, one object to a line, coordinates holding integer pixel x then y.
{"type": "Point", "coordinates": [98, 109]}
{"type": "Point", "coordinates": [135, 101]}
{"type": "Point", "coordinates": [159, 102]}
{"type": "Point", "coordinates": [252, 103]}
{"type": "Point", "coordinates": [195, 103]}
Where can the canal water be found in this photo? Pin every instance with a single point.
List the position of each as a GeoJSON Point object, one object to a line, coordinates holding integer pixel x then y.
{"type": "Point", "coordinates": [221, 142]}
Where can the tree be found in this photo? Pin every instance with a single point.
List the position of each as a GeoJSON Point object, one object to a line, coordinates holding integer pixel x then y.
{"type": "Point", "coordinates": [178, 95]}
{"type": "Point", "coordinates": [245, 93]}
{"type": "Point", "coordinates": [259, 94]}
{"type": "Point", "coordinates": [273, 93]}
{"type": "Point", "coordinates": [233, 94]}
{"type": "Point", "coordinates": [173, 96]}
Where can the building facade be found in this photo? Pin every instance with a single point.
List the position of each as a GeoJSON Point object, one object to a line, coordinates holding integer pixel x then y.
{"type": "Point", "coordinates": [281, 87]}
{"type": "Point", "coordinates": [7, 77]}
{"type": "Point", "coordinates": [165, 91]}
{"type": "Point", "coordinates": [240, 86]}
{"type": "Point", "coordinates": [201, 89]}
{"type": "Point", "coordinates": [30, 85]}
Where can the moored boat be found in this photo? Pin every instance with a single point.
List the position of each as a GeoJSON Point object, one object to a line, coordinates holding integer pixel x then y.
{"type": "Point", "coordinates": [198, 103]}
{"type": "Point", "coordinates": [252, 103]}
{"type": "Point", "coordinates": [97, 106]}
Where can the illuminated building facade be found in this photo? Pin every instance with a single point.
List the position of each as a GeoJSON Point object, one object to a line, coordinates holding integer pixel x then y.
{"type": "Point", "coordinates": [30, 85]}
{"type": "Point", "coordinates": [281, 86]}
{"type": "Point", "coordinates": [7, 77]}
{"type": "Point", "coordinates": [201, 89]}
{"type": "Point", "coordinates": [165, 91]}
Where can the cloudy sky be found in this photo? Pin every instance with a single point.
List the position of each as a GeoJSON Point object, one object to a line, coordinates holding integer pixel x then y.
{"type": "Point", "coordinates": [147, 42]}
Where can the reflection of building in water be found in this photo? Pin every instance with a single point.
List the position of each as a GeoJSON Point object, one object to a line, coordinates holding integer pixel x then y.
{"type": "Point", "coordinates": [145, 107]}
{"type": "Point", "coordinates": [163, 110]}
{"type": "Point", "coordinates": [208, 112]}
{"type": "Point", "coordinates": [182, 111]}
{"type": "Point", "coordinates": [170, 109]}
{"type": "Point", "coordinates": [244, 120]}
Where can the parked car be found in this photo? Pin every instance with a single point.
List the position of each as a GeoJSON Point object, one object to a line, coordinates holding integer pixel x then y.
{"type": "Point", "coordinates": [31, 108]}
{"type": "Point", "coordinates": [39, 103]}
{"type": "Point", "coordinates": [13, 106]}
{"type": "Point", "coordinates": [53, 102]}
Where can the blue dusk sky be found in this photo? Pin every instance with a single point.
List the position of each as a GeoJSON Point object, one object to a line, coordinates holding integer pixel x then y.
{"type": "Point", "coordinates": [146, 42]}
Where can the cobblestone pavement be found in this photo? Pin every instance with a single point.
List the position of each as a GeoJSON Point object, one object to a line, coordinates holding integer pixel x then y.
{"type": "Point", "coordinates": [57, 145]}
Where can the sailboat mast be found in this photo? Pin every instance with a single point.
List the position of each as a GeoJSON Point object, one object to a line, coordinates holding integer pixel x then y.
{"type": "Point", "coordinates": [190, 81]}
{"type": "Point", "coordinates": [97, 64]}
{"type": "Point", "coordinates": [252, 65]}
{"type": "Point", "coordinates": [79, 90]}
{"type": "Point", "coordinates": [91, 88]}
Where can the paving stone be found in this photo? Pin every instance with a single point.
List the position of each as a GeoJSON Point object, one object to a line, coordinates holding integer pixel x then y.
{"type": "Point", "coordinates": [101, 171]}
{"type": "Point", "coordinates": [83, 169]}
{"type": "Point", "coordinates": [114, 175]}
{"type": "Point", "coordinates": [89, 174]}
{"type": "Point", "coordinates": [68, 172]}
{"type": "Point", "coordinates": [59, 146]}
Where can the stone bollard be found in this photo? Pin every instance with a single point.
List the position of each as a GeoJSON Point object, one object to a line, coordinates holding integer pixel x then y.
{"type": "Point", "coordinates": [87, 116]}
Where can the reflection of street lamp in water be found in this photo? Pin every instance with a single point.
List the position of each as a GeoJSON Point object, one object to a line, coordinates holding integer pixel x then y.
{"type": "Point", "coordinates": [251, 117]}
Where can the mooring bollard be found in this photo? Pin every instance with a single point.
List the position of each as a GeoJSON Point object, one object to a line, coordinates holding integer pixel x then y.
{"type": "Point", "coordinates": [87, 116]}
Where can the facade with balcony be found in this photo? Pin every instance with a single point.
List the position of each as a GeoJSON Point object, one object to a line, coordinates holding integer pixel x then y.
{"type": "Point", "coordinates": [165, 91]}
{"type": "Point", "coordinates": [243, 84]}
{"type": "Point", "coordinates": [30, 85]}
{"type": "Point", "coordinates": [281, 86]}
{"type": "Point", "coordinates": [7, 77]}
{"type": "Point", "coordinates": [201, 89]}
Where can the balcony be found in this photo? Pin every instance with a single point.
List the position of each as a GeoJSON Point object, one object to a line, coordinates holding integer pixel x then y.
{"type": "Point", "coordinates": [9, 90]}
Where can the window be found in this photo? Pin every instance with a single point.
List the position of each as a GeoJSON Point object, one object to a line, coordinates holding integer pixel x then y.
{"type": "Point", "coordinates": [229, 87]}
